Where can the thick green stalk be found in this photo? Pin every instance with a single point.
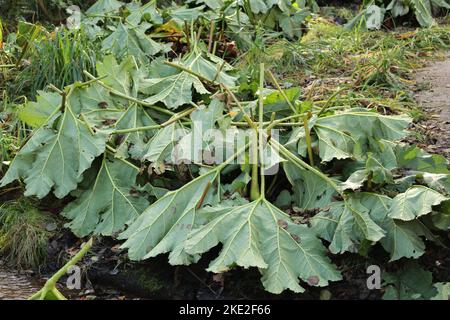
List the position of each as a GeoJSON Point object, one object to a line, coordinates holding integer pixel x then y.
{"type": "Point", "coordinates": [175, 118]}
{"type": "Point", "coordinates": [308, 139]}
{"type": "Point", "coordinates": [247, 118]}
{"type": "Point", "coordinates": [126, 97]}
{"type": "Point", "coordinates": [49, 290]}
{"type": "Point", "coordinates": [261, 129]}
{"type": "Point", "coordinates": [283, 94]}
{"type": "Point", "coordinates": [183, 68]}
{"type": "Point", "coordinates": [302, 164]}
{"type": "Point", "coordinates": [137, 129]}
{"type": "Point", "coordinates": [328, 102]}
{"type": "Point", "coordinates": [254, 189]}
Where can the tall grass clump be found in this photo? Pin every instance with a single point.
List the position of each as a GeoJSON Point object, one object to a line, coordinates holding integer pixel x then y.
{"type": "Point", "coordinates": [23, 234]}
{"type": "Point", "coordinates": [59, 60]}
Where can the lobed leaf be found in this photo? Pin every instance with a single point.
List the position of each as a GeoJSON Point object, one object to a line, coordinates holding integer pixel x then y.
{"type": "Point", "coordinates": [109, 204]}
{"type": "Point", "coordinates": [260, 235]}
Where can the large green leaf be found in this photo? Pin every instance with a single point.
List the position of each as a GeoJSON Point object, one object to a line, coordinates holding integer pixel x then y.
{"type": "Point", "coordinates": [402, 239]}
{"type": "Point", "coordinates": [275, 102]}
{"type": "Point", "coordinates": [131, 41]}
{"type": "Point", "coordinates": [160, 147]}
{"type": "Point", "coordinates": [91, 99]}
{"type": "Point", "coordinates": [310, 192]}
{"type": "Point", "coordinates": [174, 90]}
{"type": "Point", "coordinates": [118, 76]}
{"type": "Point", "coordinates": [186, 14]}
{"type": "Point", "coordinates": [260, 235]}
{"type": "Point", "coordinates": [292, 23]}
{"type": "Point", "coordinates": [175, 87]}
{"type": "Point", "coordinates": [346, 226]}
{"type": "Point", "coordinates": [351, 134]}
{"type": "Point", "coordinates": [35, 113]}
{"type": "Point", "coordinates": [410, 283]}
{"type": "Point", "coordinates": [147, 12]}
{"type": "Point", "coordinates": [381, 160]}
{"type": "Point", "coordinates": [398, 8]}
{"type": "Point", "coordinates": [413, 158]}
{"type": "Point", "coordinates": [108, 204]}
{"type": "Point", "coordinates": [166, 224]}
{"type": "Point", "coordinates": [415, 202]}
{"type": "Point", "coordinates": [194, 145]}
{"type": "Point", "coordinates": [441, 219]}
{"type": "Point", "coordinates": [259, 6]}
{"type": "Point", "coordinates": [56, 158]}
{"type": "Point", "coordinates": [104, 7]}
{"type": "Point", "coordinates": [422, 10]}
{"type": "Point", "coordinates": [443, 291]}
{"type": "Point", "coordinates": [134, 143]}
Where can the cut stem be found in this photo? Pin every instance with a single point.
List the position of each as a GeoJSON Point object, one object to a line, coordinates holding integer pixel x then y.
{"type": "Point", "coordinates": [247, 118]}
{"type": "Point", "coordinates": [261, 129]}
{"type": "Point", "coordinates": [283, 94]}
{"type": "Point", "coordinates": [211, 35]}
{"type": "Point", "coordinates": [308, 139]}
{"type": "Point", "coordinates": [50, 285]}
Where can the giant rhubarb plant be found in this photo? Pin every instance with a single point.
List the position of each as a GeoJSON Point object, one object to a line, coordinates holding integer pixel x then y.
{"type": "Point", "coordinates": [109, 142]}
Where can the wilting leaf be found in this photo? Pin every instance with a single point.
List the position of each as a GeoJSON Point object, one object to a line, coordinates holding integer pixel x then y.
{"type": "Point", "coordinates": [310, 192]}
{"type": "Point", "coordinates": [443, 291]}
{"type": "Point", "coordinates": [346, 226]}
{"type": "Point", "coordinates": [413, 158]}
{"type": "Point", "coordinates": [415, 202]}
{"type": "Point", "coordinates": [160, 147]}
{"type": "Point", "coordinates": [411, 283]}
{"type": "Point", "coordinates": [166, 224]}
{"type": "Point", "coordinates": [292, 23]}
{"type": "Point", "coordinates": [56, 158]}
{"type": "Point", "coordinates": [134, 143]}
{"type": "Point", "coordinates": [422, 10]}
{"type": "Point", "coordinates": [275, 102]}
{"type": "Point", "coordinates": [36, 113]}
{"type": "Point", "coordinates": [124, 41]}
{"type": "Point", "coordinates": [351, 134]}
{"type": "Point", "coordinates": [260, 235]}
{"type": "Point", "coordinates": [354, 181]}
{"type": "Point", "coordinates": [119, 76]}
{"type": "Point", "coordinates": [147, 12]}
{"type": "Point", "coordinates": [109, 204]}
{"type": "Point", "coordinates": [186, 14]}
{"type": "Point", "coordinates": [104, 7]}
{"type": "Point", "coordinates": [441, 219]}
{"type": "Point", "coordinates": [259, 6]}
{"type": "Point", "coordinates": [175, 88]}
{"type": "Point", "coordinates": [402, 239]}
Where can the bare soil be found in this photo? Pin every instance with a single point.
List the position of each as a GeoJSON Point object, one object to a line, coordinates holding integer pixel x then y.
{"type": "Point", "coordinates": [433, 94]}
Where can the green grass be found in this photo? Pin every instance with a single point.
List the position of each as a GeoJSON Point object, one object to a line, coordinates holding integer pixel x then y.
{"type": "Point", "coordinates": [23, 234]}
{"type": "Point", "coordinates": [59, 60]}
{"type": "Point", "coordinates": [368, 68]}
